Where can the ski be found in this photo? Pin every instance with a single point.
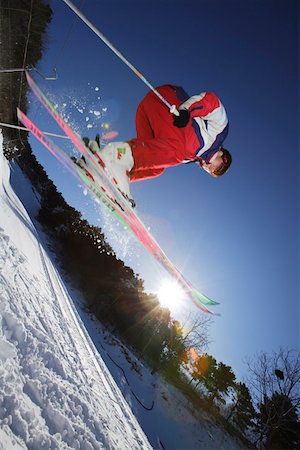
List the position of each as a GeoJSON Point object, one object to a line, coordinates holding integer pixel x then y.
{"type": "Point", "coordinates": [102, 178]}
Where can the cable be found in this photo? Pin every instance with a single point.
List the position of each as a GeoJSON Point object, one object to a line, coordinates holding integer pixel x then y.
{"type": "Point", "coordinates": [66, 40]}
{"type": "Point", "coordinates": [24, 62]}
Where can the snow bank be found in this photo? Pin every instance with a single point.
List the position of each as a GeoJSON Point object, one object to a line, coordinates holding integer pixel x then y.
{"type": "Point", "coordinates": [55, 390]}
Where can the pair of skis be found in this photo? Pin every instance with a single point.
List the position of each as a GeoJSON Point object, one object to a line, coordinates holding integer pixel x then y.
{"type": "Point", "coordinates": [96, 178]}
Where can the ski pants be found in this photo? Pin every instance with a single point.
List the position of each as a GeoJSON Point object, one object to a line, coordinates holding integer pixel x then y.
{"type": "Point", "coordinates": [158, 143]}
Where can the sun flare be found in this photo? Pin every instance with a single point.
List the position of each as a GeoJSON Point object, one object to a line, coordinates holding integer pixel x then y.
{"type": "Point", "coordinates": [170, 294]}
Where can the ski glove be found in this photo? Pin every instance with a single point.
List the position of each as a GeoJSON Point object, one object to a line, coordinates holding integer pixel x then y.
{"type": "Point", "coordinates": [181, 120]}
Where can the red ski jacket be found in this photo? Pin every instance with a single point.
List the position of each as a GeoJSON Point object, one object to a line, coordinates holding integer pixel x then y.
{"type": "Point", "coordinates": [159, 144]}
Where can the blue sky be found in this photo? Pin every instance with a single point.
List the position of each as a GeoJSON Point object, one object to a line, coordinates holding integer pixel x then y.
{"type": "Point", "coordinates": [235, 238]}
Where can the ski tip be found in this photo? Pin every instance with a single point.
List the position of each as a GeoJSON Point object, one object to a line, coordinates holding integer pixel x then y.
{"type": "Point", "coordinates": [205, 309]}
{"type": "Point", "coordinates": [208, 311]}
{"type": "Point", "coordinates": [201, 298]}
{"type": "Point", "coordinates": [202, 302]}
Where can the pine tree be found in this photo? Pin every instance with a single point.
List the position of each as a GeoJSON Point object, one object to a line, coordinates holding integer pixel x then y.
{"type": "Point", "coordinates": [242, 411]}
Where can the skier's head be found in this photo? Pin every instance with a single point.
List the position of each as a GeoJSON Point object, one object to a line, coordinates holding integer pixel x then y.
{"type": "Point", "coordinates": [219, 164]}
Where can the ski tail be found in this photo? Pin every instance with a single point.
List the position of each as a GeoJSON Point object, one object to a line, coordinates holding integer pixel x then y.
{"type": "Point", "coordinates": [77, 141]}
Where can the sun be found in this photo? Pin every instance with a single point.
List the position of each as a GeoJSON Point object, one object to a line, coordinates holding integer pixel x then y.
{"type": "Point", "coordinates": [170, 294]}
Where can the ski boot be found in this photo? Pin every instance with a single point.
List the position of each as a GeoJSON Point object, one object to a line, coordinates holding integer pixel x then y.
{"type": "Point", "coordinates": [118, 159]}
{"type": "Point", "coordinates": [119, 162]}
{"type": "Point", "coordinates": [81, 162]}
{"type": "Point", "coordinates": [93, 146]}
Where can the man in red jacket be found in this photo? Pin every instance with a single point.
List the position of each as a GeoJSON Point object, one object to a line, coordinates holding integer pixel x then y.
{"type": "Point", "coordinates": [164, 140]}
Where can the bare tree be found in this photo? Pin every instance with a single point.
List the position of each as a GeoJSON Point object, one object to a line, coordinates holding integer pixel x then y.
{"type": "Point", "coordinates": [197, 334]}
{"type": "Point", "coordinates": [273, 377]}
{"type": "Point", "coordinates": [275, 373]}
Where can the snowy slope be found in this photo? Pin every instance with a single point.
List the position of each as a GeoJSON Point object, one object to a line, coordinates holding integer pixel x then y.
{"type": "Point", "coordinates": [55, 390]}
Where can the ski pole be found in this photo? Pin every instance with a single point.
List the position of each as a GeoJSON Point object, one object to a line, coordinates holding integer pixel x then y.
{"type": "Point", "coordinates": [16, 127]}
{"type": "Point", "coordinates": [172, 108]}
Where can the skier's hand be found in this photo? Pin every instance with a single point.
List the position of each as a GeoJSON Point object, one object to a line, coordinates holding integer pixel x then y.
{"type": "Point", "coordinates": [182, 120]}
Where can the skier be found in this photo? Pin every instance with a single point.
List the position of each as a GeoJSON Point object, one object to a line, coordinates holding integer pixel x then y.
{"type": "Point", "coordinates": [164, 140]}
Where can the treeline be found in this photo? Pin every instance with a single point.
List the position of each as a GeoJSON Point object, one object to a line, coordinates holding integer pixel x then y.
{"type": "Point", "coordinates": [116, 294]}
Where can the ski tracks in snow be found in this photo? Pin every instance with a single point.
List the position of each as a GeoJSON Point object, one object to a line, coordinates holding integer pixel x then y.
{"type": "Point", "coordinates": [55, 391]}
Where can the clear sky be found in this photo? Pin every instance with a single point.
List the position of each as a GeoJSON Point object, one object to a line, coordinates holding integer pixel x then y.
{"type": "Point", "coordinates": [235, 238]}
